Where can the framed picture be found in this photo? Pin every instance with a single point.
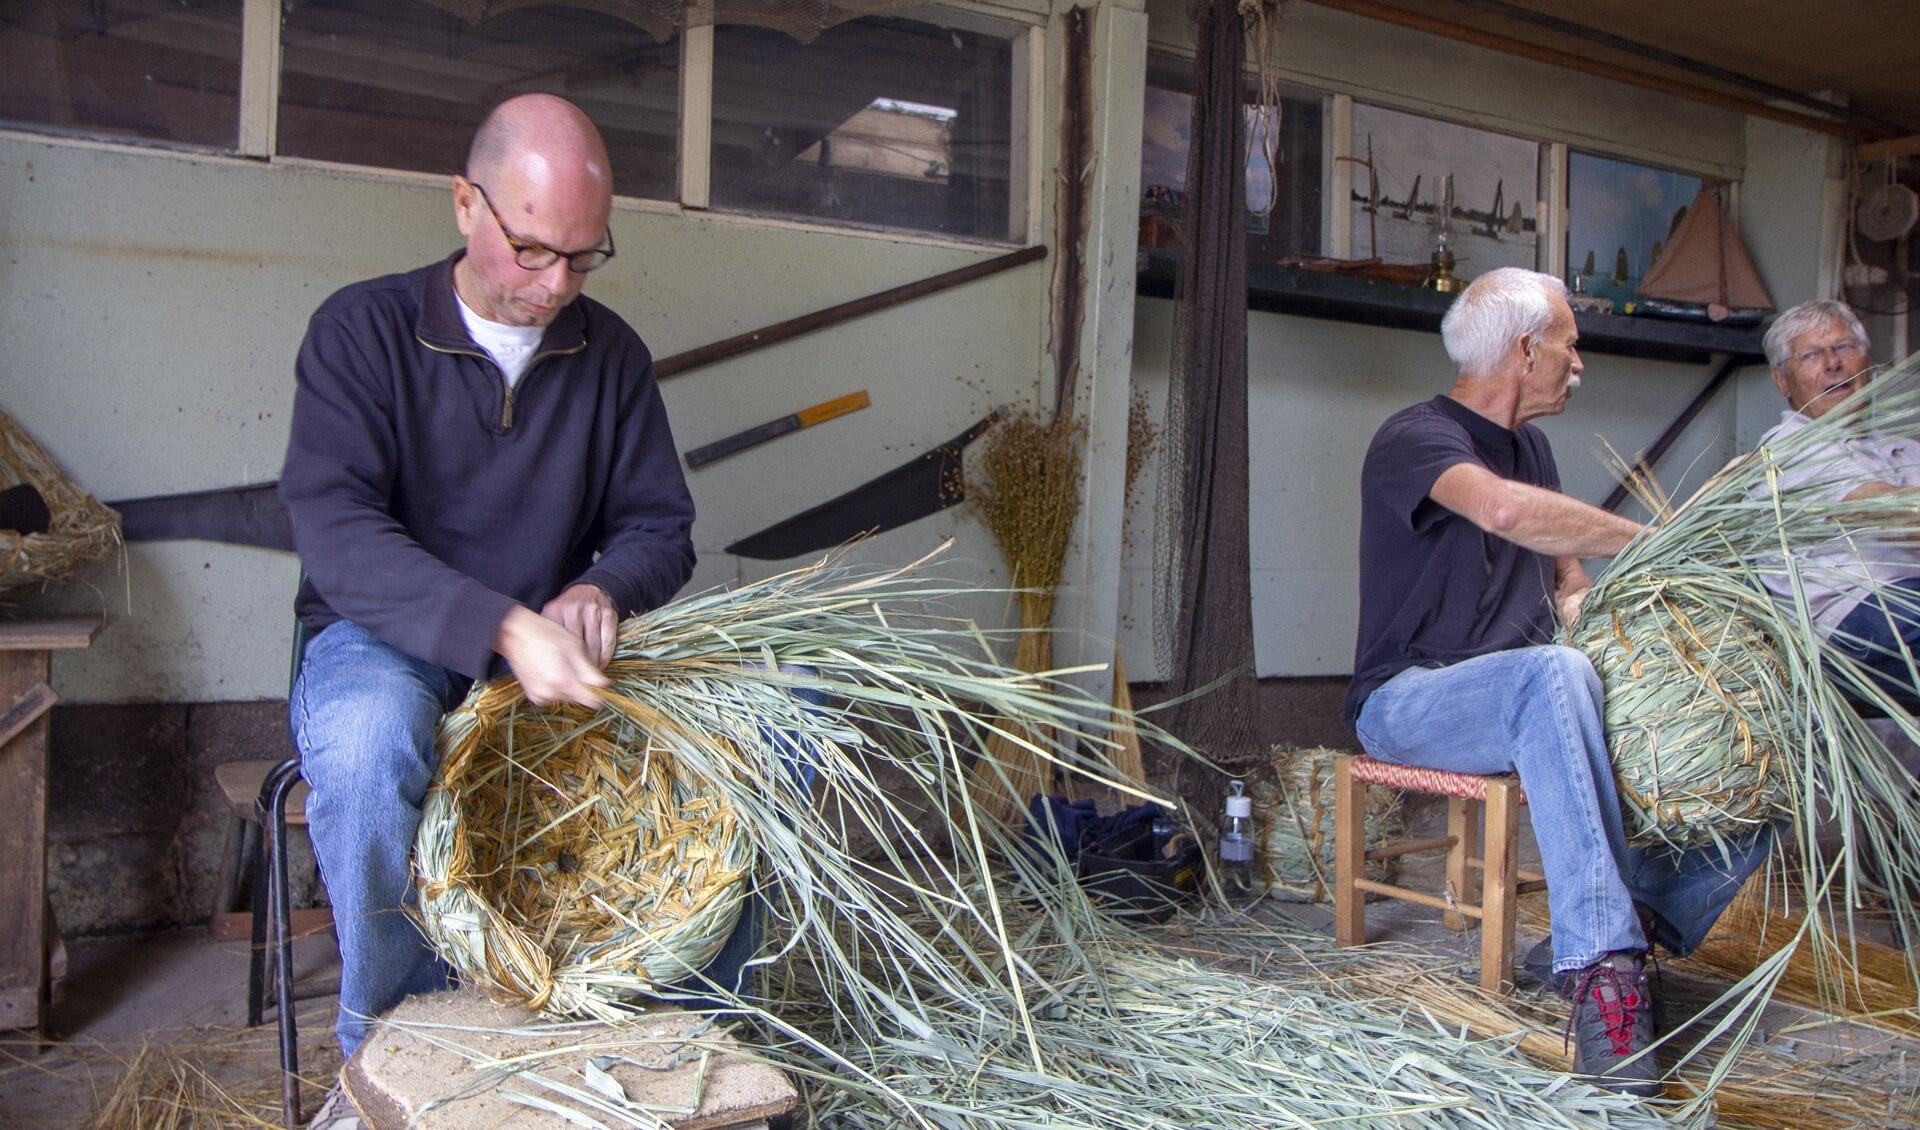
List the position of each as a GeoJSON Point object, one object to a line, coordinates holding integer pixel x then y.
{"type": "Point", "coordinates": [1406, 167]}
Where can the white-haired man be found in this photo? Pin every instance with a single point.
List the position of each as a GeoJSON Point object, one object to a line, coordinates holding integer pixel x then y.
{"type": "Point", "coordinates": [1467, 547]}
{"type": "Point", "coordinates": [1818, 353]}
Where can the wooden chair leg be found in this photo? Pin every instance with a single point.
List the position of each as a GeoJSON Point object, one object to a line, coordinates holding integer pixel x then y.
{"type": "Point", "coordinates": [1499, 879]}
{"type": "Point", "coordinates": [1349, 855]}
{"type": "Point", "coordinates": [1463, 828]}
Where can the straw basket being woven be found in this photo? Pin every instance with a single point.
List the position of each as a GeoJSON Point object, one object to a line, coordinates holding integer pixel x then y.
{"type": "Point", "coordinates": [1293, 801]}
{"type": "Point", "coordinates": [81, 528]}
{"type": "Point", "coordinates": [568, 861]}
{"type": "Point", "coordinates": [1688, 714]}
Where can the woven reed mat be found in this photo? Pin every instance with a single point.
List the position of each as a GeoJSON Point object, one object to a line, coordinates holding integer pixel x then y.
{"type": "Point", "coordinates": [399, 1072]}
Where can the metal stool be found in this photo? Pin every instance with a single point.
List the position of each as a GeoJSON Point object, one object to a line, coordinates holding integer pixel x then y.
{"type": "Point", "coordinates": [1501, 880]}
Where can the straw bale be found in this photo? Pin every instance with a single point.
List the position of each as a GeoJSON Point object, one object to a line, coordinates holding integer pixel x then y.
{"type": "Point", "coordinates": [81, 528]}
{"type": "Point", "coordinates": [1293, 803]}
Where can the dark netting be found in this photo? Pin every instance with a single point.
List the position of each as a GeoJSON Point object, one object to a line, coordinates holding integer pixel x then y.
{"type": "Point", "coordinates": [1203, 623]}
{"type": "Point", "coordinates": [663, 19]}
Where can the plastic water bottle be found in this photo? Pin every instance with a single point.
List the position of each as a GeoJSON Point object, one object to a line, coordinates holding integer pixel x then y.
{"type": "Point", "coordinates": [1237, 876]}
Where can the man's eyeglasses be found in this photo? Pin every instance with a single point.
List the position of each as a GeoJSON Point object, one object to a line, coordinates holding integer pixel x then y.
{"type": "Point", "coordinates": [1819, 354]}
{"type": "Point", "coordinates": [533, 256]}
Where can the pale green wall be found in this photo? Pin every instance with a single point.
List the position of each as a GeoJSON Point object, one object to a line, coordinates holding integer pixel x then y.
{"type": "Point", "coordinates": [154, 303]}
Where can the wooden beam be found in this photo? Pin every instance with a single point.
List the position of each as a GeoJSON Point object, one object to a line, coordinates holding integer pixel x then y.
{"type": "Point", "coordinates": [1870, 151]}
{"type": "Point", "coordinates": [1388, 14]}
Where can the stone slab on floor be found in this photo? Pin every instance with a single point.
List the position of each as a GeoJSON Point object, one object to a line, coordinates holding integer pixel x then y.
{"type": "Point", "coordinates": [398, 1073]}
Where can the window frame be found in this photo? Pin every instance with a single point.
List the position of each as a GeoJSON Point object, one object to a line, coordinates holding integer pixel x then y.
{"type": "Point", "coordinates": [258, 132]}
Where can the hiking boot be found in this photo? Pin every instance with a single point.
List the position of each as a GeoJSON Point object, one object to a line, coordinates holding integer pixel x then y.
{"type": "Point", "coordinates": [1611, 1022]}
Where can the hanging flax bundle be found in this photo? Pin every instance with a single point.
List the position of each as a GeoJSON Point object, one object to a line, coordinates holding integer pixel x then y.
{"type": "Point", "coordinates": [1028, 491]}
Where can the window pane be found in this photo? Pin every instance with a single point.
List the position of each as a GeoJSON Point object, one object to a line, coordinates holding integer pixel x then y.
{"type": "Point", "coordinates": [886, 122]}
{"type": "Point", "coordinates": [401, 84]}
{"type": "Point", "coordinates": [148, 70]}
{"type": "Point", "coordinates": [1283, 218]}
{"type": "Point", "coordinates": [1619, 216]}
{"type": "Point", "coordinates": [1397, 204]}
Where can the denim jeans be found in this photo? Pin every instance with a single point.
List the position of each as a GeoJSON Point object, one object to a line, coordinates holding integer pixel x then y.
{"type": "Point", "coordinates": [365, 716]}
{"type": "Point", "coordinates": [1876, 633]}
{"type": "Point", "coordinates": [1539, 711]}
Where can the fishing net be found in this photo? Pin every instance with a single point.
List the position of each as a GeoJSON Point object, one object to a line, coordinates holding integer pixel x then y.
{"type": "Point", "coordinates": [1203, 602]}
{"type": "Point", "coordinates": [80, 528]}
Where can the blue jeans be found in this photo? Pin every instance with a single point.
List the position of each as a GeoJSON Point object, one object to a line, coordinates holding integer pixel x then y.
{"type": "Point", "coordinates": [365, 716]}
{"type": "Point", "coordinates": [1877, 633]}
{"type": "Point", "coordinates": [1539, 712]}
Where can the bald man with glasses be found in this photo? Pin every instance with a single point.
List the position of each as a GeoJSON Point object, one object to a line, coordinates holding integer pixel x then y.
{"type": "Point", "coordinates": [481, 479]}
{"type": "Point", "coordinates": [1818, 352]}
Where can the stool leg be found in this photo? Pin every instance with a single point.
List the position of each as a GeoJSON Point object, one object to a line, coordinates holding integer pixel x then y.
{"type": "Point", "coordinates": [1349, 855]}
{"type": "Point", "coordinates": [1463, 828]}
{"type": "Point", "coordinates": [278, 785]}
{"type": "Point", "coordinates": [227, 891]}
{"type": "Point", "coordinates": [257, 955]}
{"type": "Point", "coordinates": [1498, 879]}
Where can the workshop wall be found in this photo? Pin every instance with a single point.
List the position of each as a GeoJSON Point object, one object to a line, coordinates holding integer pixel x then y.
{"type": "Point", "coordinates": [154, 302]}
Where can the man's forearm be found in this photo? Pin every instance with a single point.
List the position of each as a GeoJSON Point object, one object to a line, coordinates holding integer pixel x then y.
{"type": "Point", "coordinates": [1547, 521]}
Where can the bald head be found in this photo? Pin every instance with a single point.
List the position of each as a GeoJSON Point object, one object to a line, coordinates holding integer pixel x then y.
{"type": "Point", "coordinates": [538, 130]}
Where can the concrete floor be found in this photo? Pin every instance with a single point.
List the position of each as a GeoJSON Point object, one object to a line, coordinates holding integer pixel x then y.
{"type": "Point", "coordinates": [178, 990]}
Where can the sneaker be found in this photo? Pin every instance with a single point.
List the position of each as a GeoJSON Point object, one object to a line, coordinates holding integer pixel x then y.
{"type": "Point", "coordinates": [1611, 1022]}
{"type": "Point", "coordinates": [337, 1112]}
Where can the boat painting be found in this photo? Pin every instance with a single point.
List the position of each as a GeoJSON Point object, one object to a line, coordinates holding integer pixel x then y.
{"type": "Point", "coordinates": [1493, 219]}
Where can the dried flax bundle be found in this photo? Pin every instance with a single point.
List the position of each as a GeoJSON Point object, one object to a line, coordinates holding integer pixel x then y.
{"type": "Point", "coordinates": [1028, 492]}
{"type": "Point", "coordinates": [1293, 803]}
{"type": "Point", "coordinates": [81, 528]}
{"type": "Point", "coordinates": [954, 975]}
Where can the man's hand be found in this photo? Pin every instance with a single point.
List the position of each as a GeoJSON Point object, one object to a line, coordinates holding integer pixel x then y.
{"type": "Point", "coordinates": [587, 611]}
{"type": "Point", "coordinates": [551, 662]}
{"type": "Point", "coordinates": [1568, 605]}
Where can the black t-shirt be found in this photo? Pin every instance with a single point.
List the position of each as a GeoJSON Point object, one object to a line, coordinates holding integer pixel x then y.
{"type": "Point", "coordinates": [1434, 588]}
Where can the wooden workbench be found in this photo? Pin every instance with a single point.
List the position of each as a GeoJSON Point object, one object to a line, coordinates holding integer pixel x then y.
{"type": "Point", "coordinates": [25, 697]}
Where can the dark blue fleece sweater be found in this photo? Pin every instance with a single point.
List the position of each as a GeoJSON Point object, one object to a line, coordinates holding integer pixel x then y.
{"type": "Point", "coordinates": [427, 498]}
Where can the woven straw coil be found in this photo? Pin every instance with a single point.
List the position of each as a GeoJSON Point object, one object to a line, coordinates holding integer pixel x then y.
{"type": "Point", "coordinates": [81, 528]}
{"type": "Point", "coordinates": [1689, 689]}
{"type": "Point", "coordinates": [567, 861]}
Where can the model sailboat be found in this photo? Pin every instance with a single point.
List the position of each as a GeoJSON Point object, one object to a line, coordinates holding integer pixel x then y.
{"type": "Point", "coordinates": [1704, 271]}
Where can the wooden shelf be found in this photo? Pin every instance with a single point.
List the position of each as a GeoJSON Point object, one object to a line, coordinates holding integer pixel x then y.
{"type": "Point", "coordinates": [1347, 298]}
